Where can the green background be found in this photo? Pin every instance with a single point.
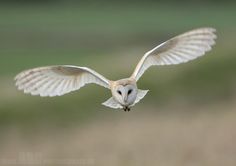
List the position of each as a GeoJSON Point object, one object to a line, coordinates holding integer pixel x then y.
{"type": "Point", "coordinates": [188, 105]}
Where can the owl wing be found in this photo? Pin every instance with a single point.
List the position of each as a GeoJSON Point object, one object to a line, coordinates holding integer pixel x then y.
{"type": "Point", "coordinates": [57, 80]}
{"type": "Point", "coordinates": [179, 49]}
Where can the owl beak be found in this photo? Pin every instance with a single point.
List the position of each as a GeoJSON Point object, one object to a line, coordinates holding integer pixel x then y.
{"type": "Point", "coordinates": [125, 99]}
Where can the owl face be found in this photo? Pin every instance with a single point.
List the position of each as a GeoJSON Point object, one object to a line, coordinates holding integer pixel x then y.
{"type": "Point", "coordinates": [125, 94]}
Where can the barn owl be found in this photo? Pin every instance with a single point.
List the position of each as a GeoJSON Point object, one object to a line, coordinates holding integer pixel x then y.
{"type": "Point", "coordinates": [62, 79]}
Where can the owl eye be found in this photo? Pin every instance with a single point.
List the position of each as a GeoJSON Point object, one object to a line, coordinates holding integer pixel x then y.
{"type": "Point", "coordinates": [130, 91]}
{"type": "Point", "coordinates": [119, 92]}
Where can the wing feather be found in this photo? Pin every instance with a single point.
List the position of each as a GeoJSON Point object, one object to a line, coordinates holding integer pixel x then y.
{"type": "Point", "coordinates": [57, 80]}
{"type": "Point", "coordinates": [179, 49]}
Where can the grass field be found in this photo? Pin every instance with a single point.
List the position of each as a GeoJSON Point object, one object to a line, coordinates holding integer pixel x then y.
{"type": "Point", "coordinates": [187, 118]}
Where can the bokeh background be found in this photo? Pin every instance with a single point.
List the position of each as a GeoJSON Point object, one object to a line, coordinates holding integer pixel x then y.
{"type": "Point", "coordinates": [188, 118]}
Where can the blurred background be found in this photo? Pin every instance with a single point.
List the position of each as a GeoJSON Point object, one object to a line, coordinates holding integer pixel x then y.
{"type": "Point", "coordinates": [188, 118]}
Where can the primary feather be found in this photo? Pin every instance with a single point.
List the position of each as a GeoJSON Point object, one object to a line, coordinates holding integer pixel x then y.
{"type": "Point", "coordinates": [179, 49]}
{"type": "Point", "coordinates": [57, 80]}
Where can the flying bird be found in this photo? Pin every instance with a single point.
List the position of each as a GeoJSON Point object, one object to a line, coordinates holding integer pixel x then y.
{"type": "Point", "coordinates": [61, 79]}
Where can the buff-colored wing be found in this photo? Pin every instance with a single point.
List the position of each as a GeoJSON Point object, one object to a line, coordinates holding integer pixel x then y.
{"type": "Point", "coordinates": [179, 49]}
{"type": "Point", "coordinates": [57, 80]}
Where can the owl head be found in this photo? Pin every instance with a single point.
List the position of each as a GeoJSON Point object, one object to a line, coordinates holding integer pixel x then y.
{"type": "Point", "coordinates": [125, 92]}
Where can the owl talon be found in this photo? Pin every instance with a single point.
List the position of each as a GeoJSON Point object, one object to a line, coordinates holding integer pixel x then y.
{"type": "Point", "coordinates": [126, 109]}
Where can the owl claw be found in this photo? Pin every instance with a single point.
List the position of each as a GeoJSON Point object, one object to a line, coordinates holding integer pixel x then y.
{"type": "Point", "coordinates": [126, 109]}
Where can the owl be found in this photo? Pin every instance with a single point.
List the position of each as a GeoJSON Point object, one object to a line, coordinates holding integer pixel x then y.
{"type": "Point", "coordinates": [61, 79]}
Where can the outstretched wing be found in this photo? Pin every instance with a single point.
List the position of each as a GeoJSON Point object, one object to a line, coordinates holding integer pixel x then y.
{"type": "Point", "coordinates": [57, 80]}
{"type": "Point", "coordinates": [179, 49]}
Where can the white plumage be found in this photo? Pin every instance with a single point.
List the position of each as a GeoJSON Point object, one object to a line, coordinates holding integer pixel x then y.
{"type": "Point", "coordinates": [57, 80]}
{"type": "Point", "coordinates": [179, 49]}
{"type": "Point", "coordinates": [62, 79]}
